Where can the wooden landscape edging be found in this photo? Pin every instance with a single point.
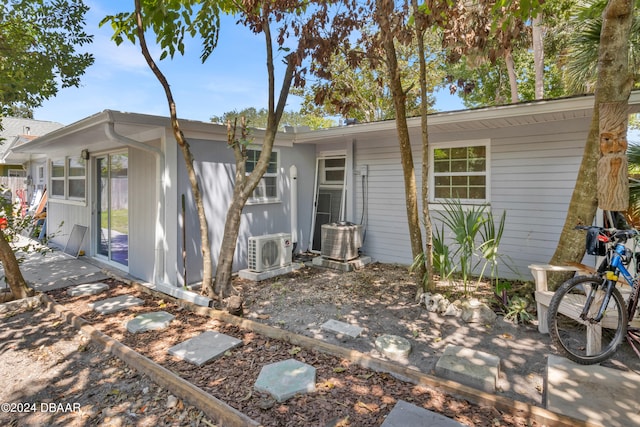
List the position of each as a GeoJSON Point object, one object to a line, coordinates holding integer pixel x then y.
{"type": "Point", "coordinates": [214, 408]}
{"type": "Point", "coordinates": [541, 415]}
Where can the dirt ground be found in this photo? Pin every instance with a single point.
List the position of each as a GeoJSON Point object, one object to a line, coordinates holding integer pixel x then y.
{"type": "Point", "coordinates": [52, 376]}
{"type": "Point", "coordinates": [379, 298]}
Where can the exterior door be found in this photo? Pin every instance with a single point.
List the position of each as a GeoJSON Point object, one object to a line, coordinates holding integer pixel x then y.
{"type": "Point", "coordinates": [330, 195]}
{"type": "Point", "coordinates": [112, 207]}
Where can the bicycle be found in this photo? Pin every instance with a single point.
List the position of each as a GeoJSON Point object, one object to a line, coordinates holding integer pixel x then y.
{"type": "Point", "coordinates": [588, 317]}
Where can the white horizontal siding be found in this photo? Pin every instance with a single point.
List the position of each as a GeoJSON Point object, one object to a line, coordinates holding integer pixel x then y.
{"type": "Point", "coordinates": [61, 217]}
{"type": "Point", "coordinates": [532, 178]}
{"type": "Point", "coordinates": [533, 170]}
{"type": "Point", "coordinates": [387, 234]}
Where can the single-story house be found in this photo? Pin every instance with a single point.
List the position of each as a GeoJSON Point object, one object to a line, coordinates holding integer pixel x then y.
{"type": "Point", "coordinates": [123, 176]}
{"type": "Point", "coordinates": [14, 132]}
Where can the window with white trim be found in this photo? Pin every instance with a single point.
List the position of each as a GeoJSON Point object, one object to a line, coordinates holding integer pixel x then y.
{"type": "Point", "coordinates": [41, 174]}
{"type": "Point", "coordinates": [17, 173]}
{"type": "Point", "coordinates": [460, 171]}
{"type": "Point", "coordinates": [57, 178]}
{"type": "Point", "coordinates": [332, 171]}
{"type": "Point", "coordinates": [267, 189]}
{"type": "Point", "coordinates": [69, 178]}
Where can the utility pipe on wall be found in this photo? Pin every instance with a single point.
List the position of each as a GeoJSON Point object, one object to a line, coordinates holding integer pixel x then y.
{"type": "Point", "coordinates": [293, 174]}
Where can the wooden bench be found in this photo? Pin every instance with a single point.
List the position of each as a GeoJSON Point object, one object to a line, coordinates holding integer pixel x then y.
{"type": "Point", "coordinates": [543, 297]}
{"type": "Point", "coordinates": [543, 294]}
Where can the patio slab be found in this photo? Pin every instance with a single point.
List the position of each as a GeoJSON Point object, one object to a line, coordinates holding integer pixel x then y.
{"type": "Point", "coordinates": [180, 293]}
{"type": "Point", "coordinates": [405, 414]}
{"type": "Point", "coordinates": [264, 275]}
{"type": "Point", "coordinates": [471, 367]}
{"type": "Point", "coordinates": [597, 394]}
{"type": "Point", "coordinates": [394, 347]}
{"type": "Point", "coordinates": [87, 289]}
{"type": "Point", "coordinates": [204, 347]}
{"type": "Point", "coordinates": [115, 304]}
{"type": "Point", "coordinates": [283, 380]}
{"type": "Point", "coordinates": [342, 328]}
{"type": "Point", "coordinates": [153, 321]}
{"type": "Point", "coordinates": [58, 271]}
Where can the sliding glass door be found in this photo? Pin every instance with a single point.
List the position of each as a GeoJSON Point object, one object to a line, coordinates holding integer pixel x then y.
{"type": "Point", "coordinates": [112, 207]}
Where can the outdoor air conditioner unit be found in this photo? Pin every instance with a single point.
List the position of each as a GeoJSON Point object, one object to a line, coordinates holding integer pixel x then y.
{"type": "Point", "coordinates": [341, 241]}
{"type": "Point", "coordinates": [269, 252]}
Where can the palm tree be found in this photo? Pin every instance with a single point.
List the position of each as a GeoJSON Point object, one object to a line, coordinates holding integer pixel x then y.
{"type": "Point", "coordinates": [633, 214]}
{"type": "Point", "coordinates": [582, 55]}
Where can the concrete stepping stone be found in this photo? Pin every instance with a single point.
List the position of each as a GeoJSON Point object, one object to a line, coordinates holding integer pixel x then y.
{"type": "Point", "coordinates": [471, 367]}
{"type": "Point", "coordinates": [115, 304]}
{"type": "Point", "coordinates": [205, 347]}
{"type": "Point", "coordinates": [285, 379]}
{"type": "Point", "coordinates": [393, 346]}
{"type": "Point", "coordinates": [593, 393]}
{"type": "Point", "coordinates": [341, 328]}
{"type": "Point", "coordinates": [149, 322]}
{"type": "Point", "coordinates": [406, 414]}
{"type": "Point", "coordinates": [87, 289]}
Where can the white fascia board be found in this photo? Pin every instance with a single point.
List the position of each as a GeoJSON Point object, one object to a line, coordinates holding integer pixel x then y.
{"type": "Point", "coordinates": [577, 103]}
{"type": "Point", "coordinates": [480, 114]}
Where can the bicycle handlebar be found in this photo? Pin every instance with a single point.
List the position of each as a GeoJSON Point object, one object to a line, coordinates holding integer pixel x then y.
{"type": "Point", "coordinates": [619, 235]}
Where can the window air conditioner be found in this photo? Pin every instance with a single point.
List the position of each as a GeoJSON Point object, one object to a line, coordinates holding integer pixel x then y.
{"type": "Point", "coordinates": [269, 252]}
{"type": "Point", "coordinates": [341, 241]}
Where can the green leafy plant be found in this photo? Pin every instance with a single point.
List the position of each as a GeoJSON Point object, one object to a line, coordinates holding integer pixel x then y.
{"type": "Point", "coordinates": [501, 288]}
{"type": "Point", "coordinates": [442, 263]}
{"type": "Point", "coordinates": [491, 236]}
{"type": "Point", "coordinates": [465, 223]}
{"type": "Point", "coordinates": [517, 310]}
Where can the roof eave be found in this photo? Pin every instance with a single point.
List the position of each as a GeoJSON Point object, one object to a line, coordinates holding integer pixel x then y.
{"type": "Point", "coordinates": [584, 102]}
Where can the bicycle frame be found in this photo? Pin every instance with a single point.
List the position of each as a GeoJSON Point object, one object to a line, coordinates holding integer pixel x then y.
{"type": "Point", "coordinates": [594, 302]}
{"type": "Point", "coordinates": [611, 268]}
{"type": "Point", "coordinates": [616, 266]}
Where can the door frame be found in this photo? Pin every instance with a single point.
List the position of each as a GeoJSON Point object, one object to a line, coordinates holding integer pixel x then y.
{"type": "Point", "coordinates": [96, 220]}
{"type": "Point", "coordinates": [323, 155]}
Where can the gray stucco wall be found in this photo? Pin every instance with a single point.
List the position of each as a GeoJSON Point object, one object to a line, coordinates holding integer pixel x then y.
{"type": "Point", "coordinates": [216, 166]}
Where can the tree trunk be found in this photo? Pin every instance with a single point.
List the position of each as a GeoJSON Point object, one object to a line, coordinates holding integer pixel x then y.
{"type": "Point", "coordinates": [244, 185]}
{"type": "Point", "coordinates": [581, 211]}
{"type": "Point", "coordinates": [613, 85]}
{"type": "Point", "coordinates": [613, 173]}
{"type": "Point", "coordinates": [428, 284]}
{"type": "Point", "coordinates": [205, 246]}
{"type": "Point", "coordinates": [12, 273]}
{"type": "Point", "coordinates": [406, 156]}
{"type": "Point", "coordinates": [538, 54]}
{"type": "Point", "coordinates": [224, 269]}
{"type": "Point", "coordinates": [513, 79]}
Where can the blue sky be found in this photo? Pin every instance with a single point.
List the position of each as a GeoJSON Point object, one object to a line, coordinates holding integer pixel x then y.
{"type": "Point", "coordinates": [234, 77]}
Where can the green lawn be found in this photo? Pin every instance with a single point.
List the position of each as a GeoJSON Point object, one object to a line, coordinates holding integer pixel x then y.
{"type": "Point", "coordinates": [119, 220]}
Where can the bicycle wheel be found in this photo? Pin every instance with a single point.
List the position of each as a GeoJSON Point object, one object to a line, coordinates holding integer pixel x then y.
{"type": "Point", "coordinates": [585, 341]}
